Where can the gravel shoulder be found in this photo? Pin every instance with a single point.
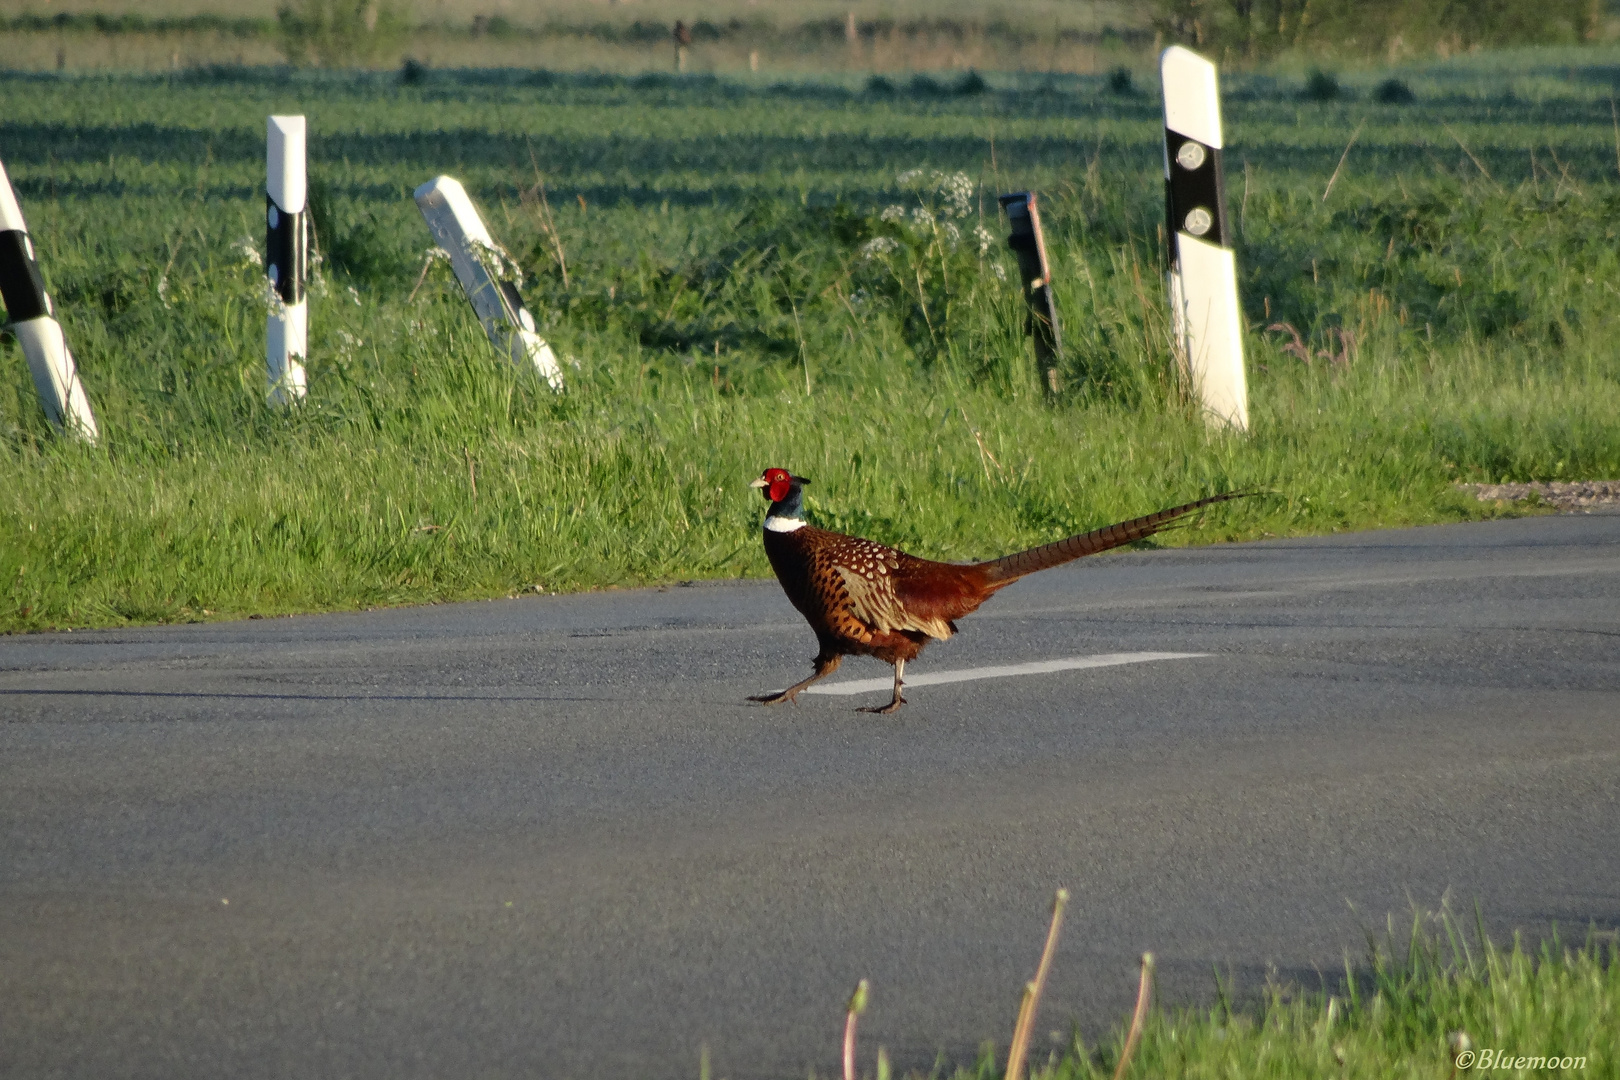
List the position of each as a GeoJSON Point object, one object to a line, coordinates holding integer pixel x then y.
{"type": "Point", "coordinates": [1572, 497]}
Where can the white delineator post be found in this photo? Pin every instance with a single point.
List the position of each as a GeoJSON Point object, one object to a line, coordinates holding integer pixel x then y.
{"type": "Point", "coordinates": [56, 379]}
{"type": "Point", "coordinates": [487, 274]}
{"type": "Point", "coordinates": [286, 259]}
{"type": "Point", "coordinates": [1203, 270]}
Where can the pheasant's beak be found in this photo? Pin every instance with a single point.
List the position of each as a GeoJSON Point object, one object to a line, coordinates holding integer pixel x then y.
{"type": "Point", "coordinates": [759, 483]}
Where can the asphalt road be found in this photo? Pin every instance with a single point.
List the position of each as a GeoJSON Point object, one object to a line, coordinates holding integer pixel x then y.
{"type": "Point", "coordinates": [547, 836]}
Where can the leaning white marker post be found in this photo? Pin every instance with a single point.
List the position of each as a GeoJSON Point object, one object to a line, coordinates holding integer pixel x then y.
{"type": "Point", "coordinates": [487, 274]}
{"type": "Point", "coordinates": [56, 380]}
{"type": "Point", "coordinates": [1203, 271]}
{"type": "Point", "coordinates": [286, 261]}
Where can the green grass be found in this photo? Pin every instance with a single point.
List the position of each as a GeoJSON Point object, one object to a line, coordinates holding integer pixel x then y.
{"type": "Point", "coordinates": [719, 316]}
{"type": "Point", "coordinates": [1408, 1009]}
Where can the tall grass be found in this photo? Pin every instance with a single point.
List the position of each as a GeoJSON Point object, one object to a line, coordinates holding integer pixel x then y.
{"type": "Point", "coordinates": [812, 276]}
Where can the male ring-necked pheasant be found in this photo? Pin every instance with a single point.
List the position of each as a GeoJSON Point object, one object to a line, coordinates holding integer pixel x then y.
{"type": "Point", "coordinates": [862, 598]}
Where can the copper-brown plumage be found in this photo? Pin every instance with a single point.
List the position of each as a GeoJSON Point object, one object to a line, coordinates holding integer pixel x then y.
{"type": "Point", "coordinates": [862, 598]}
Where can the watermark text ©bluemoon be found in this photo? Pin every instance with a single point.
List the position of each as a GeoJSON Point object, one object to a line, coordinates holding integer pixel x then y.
{"type": "Point", "coordinates": [1492, 1058]}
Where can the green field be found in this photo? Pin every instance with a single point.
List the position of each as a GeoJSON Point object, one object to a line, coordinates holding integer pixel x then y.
{"type": "Point", "coordinates": [731, 36]}
{"type": "Point", "coordinates": [739, 294]}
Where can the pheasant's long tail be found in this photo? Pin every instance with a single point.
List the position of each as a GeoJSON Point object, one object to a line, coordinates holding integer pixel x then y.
{"type": "Point", "coordinates": [1009, 568]}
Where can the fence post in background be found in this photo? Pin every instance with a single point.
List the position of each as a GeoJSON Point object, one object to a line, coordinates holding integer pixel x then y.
{"type": "Point", "coordinates": [1027, 240]}
{"type": "Point", "coordinates": [1202, 276]}
{"type": "Point", "coordinates": [286, 261]}
{"type": "Point", "coordinates": [488, 275]}
{"type": "Point", "coordinates": [56, 379]}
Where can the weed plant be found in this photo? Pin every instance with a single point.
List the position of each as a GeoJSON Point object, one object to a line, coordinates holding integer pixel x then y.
{"type": "Point", "coordinates": [742, 275]}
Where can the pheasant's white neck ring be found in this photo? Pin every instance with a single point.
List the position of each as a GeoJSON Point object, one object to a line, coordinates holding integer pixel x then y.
{"type": "Point", "coordinates": [783, 524]}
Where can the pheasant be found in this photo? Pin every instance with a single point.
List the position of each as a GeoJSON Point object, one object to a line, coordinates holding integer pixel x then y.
{"type": "Point", "coordinates": [862, 598]}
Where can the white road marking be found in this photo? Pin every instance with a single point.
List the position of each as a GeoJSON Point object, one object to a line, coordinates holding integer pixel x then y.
{"type": "Point", "coordinates": [1003, 671]}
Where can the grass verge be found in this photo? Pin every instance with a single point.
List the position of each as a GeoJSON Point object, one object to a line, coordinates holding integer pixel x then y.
{"type": "Point", "coordinates": [814, 279]}
{"type": "Point", "coordinates": [1440, 1000]}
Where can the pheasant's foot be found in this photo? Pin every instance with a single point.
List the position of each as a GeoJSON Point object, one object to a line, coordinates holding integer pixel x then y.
{"type": "Point", "coordinates": [884, 710]}
{"type": "Point", "coordinates": [823, 669]}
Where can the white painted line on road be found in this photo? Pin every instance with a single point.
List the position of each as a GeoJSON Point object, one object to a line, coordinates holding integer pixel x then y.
{"type": "Point", "coordinates": [1002, 671]}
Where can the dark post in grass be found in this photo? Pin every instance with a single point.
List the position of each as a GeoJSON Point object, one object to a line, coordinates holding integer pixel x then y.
{"type": "Point", "coordinates": [683, 41]}
{"type": "Point", "coordinates": [1025, 238]}
{"type": "Point", "coordinates": [1202, 270]}
{"type": "Point", "coordinates": [32, 321]}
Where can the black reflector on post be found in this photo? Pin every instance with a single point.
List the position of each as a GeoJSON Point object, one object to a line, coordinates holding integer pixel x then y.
{"type": "Point", "coordinates": [20, 283]}
{"type": "Point", "coordinates": [1195, 190]}
{"type": "Point", "coordinates": [286, 244]}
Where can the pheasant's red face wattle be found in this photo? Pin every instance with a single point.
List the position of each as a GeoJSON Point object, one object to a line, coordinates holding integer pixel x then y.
{"type": "Point", "coordinates": [778, 482]}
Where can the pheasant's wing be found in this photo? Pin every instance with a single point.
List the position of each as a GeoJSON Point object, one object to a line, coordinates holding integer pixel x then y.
{"type": "Point", "coordinates": [874, 602]}
{"type": "Point", "coordinates": [868, 571]}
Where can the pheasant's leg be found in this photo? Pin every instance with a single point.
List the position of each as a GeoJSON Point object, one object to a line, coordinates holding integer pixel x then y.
{"type": "Point", "coordinates": [899, 672]}
{"type": "Point", "coordinates": [825, 665]}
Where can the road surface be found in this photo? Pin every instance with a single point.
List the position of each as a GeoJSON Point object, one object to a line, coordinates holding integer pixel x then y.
{"type": "Point", "coordinates": [548, 837]}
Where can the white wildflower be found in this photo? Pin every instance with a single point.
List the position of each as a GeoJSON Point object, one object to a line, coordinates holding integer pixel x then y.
{"type": "Point", "coordinates": [998, 270]}
{"type": "Point", "coordinates": [858, 298]}
{"type": "Point", "coordinates": [908, 176]}
{"type": "Point", "coordinates": [895, 212]}
{"type": "Point", "coordinates": [163, 290]}
{"type": "Point", "coordinates": [952, 234]}
{"type": "Point", "coordinates": [921, 216]}
{"type": "Point", "coordinates": [878, 245]}
{"type": "Point", "coordinates": [982, 235]}
{"type": "Point", "coordinates": [354, 294]}
{"type": "Point", "coordinates": [956, 191]}
{"type": "Point", "coordinates": [248, 251]}
{"type": "Point", "coordinates": [497, 262]}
